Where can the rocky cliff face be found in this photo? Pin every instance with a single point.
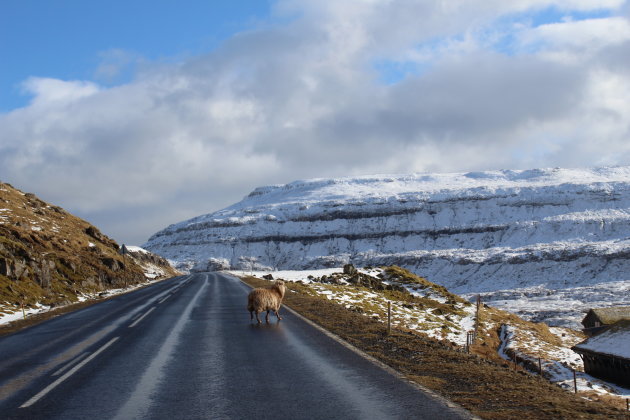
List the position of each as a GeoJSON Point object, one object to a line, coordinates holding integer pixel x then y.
{"type": "Point", "coordinates": [153, 265]}
{"type": "Point", "coordinates": [49, 256]}
{"type": "Point", "coordinates": [470, 232]}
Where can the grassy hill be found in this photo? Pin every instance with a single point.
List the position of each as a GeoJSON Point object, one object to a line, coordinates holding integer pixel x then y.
{"type": "Point", "coordinates": [50, 257]}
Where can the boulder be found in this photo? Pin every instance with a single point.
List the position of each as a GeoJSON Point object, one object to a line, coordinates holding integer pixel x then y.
{"type": "Point", "coordinates": [349, 269]}
{"type": "Point", "coordinates": [94, 233]}
{"type": "Point", "coordinates": [44, 272]}
{"type": "Point", "coordinates": [5, 267]}
{"type": "Point", "coordinates": [20, 269]}
{"type": "Point", "coordinates": [111, 263]}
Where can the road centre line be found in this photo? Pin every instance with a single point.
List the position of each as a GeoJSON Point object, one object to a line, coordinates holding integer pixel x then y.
{"type": "Point", "coordinates": [70, 363]}
{"type": "Point", "coordinates": [140, 399]}
{"type": "Point", "coordinates": [52, 386]}
{"type": "Point", "coordinates": [141, 318]}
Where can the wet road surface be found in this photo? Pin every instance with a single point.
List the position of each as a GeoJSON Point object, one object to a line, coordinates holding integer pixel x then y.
{"type": "Point", "coordinates": [186, 349]}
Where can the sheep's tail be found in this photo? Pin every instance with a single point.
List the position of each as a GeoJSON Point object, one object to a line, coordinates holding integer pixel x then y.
{"type": "Point", "coordinates": [250, 302]}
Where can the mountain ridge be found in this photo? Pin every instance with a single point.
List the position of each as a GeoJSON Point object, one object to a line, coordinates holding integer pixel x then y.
{"type": "Point", "coordinates": [471, 232]}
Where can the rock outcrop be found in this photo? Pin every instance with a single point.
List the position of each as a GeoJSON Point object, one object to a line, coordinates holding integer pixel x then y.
{"type": "Point", "coordinates": [154, 266]}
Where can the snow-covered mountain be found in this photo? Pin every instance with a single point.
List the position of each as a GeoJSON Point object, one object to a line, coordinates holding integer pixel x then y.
{"type": "Point", "coordinates": [472, 232]}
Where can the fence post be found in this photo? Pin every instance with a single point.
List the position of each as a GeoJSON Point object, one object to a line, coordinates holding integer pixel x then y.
{"type": "Point", "coordinates": [477, 314]}
{"type": "Point", "coordinates": [470, 340]}
{"type": "Point", "coordinates": [514, 359]}
{"type": "Point", "coordinates": [540, 367]}
{"type": "Point", "coordinates": [574, 381]}
{"type": "Point", "coordinates": [23, 313]}
{"type": "Point", "coordinates": [389, 318]}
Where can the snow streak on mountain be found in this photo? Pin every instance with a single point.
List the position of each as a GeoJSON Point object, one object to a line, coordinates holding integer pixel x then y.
{"type": "Point", "coordinates": [472, 232]}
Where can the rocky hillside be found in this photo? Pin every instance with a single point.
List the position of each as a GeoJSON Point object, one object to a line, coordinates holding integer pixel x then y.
{"type": "Point", "coordinates": [51, 257]}
{"type": "Point", "coordinates": [154, 266]}
{"type": "Point", "coordinates": [472, 232]}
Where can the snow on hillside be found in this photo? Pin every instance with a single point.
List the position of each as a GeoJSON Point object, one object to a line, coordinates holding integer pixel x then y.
{"type": "Point", "coordinates": [434, 321]}
{"type": "Point", "coordinates": [557, 361]}
{"type": "Point", "coordinates": [614, 341]}
{"type": "Point", "coordinates": [561, 307]}
{"type": "Point", "coordinates": [154, 266]}
{"type": "Point", "coordinates": [550, 229]}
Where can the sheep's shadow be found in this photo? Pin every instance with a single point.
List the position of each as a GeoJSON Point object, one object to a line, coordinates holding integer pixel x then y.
{"type": "Point", "coordinates": [273, 331]}
{"type": "Point", "coordinates": [265, 325]}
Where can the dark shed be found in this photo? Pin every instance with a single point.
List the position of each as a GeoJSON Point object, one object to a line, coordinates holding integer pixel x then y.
{"type": "Point", "coordinates": [607, 355]}
{"type": "Point", "coordinates": [598, 319]}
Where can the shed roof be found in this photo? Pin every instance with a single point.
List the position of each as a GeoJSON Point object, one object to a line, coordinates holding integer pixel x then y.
{"type": "Point", "coordinates": [615, 341]}
{"type": "Point", "coordinates": [611, 315]}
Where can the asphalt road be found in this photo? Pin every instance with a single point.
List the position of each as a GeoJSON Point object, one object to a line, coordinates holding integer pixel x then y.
{"type": "Point", "coordinates": [186, 349]}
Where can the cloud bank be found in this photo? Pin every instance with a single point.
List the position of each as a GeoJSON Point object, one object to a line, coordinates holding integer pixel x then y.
{"type": "Point", "coordinates": [339, 88]}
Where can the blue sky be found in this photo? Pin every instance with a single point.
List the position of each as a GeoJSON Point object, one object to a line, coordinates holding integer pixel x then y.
{"type": "Point", "coordinates": [68, 39]}
{"type": "Point", "coordinates": [137, 114]}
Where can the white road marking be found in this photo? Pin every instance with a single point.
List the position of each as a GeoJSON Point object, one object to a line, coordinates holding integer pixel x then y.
{"type": "Point", "coordinates": [19, 382]}
{"type": "Point", "coordinates": [141, 318]}
{"type": "Point", "coordinates": [74, 370]}
{"type": "Point", "coordinates": [140, 400]}
{"type": "Point", "coordinates": [70, 363]}
{"type": "Point", "coordinates": [164, 298]}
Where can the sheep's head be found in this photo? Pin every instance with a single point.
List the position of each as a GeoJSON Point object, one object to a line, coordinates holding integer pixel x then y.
{"type": "Point", "coordinates": [279, 284]}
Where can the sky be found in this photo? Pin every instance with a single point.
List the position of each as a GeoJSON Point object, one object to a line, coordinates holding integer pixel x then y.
{"type": "Point", "coordinates": [138, 114]}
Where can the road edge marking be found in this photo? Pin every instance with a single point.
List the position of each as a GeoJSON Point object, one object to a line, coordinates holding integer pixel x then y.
{"type": "Point", "coordinates": [455, 407]}
{"type": "Point", "coordinates": [141, 318]}
{"type": "Point", "coordinates": [164, 298]}
{"type": "Point", "coordinates": [70, 363]}
{"type": "Point", "coordinates": [71, 372]}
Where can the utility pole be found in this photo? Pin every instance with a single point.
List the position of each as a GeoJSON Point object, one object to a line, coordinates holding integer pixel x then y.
{"type": "Point", "coordinates": [477, 315]}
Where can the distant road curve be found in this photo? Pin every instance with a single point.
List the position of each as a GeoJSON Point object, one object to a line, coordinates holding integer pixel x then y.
{"type": "Point", "coordinates": [184, 348]}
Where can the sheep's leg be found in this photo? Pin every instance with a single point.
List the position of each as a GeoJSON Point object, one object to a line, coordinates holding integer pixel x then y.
{"type": "Point", "coordinates": [278, 315]}
{"type": "Point", "coordinates": [267, 318]}
{"type": "Point", "coordinates": [251, 315]}
{"type": "Point", "coordinates": [258, 318]}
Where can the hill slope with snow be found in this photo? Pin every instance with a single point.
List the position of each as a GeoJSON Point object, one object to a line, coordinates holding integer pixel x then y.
{"type": "Point", "coordinates": [50, 257]}
{"type": "Point", "coordinates": [472, 232]}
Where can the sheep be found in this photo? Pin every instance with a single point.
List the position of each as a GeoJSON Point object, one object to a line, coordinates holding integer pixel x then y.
{"type": "Point", "coordinates": [266, 299]}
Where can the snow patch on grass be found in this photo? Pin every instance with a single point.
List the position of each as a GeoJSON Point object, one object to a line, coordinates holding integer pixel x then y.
{"type": "Point", "coordinates": [558, 362]}
{"type": "Point", "coordinates": [10, 313]}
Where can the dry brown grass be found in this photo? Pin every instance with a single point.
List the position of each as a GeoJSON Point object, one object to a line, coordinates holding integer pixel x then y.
{"type": "Point", "coordinates": [485, 386]}
{"type": "Point", "coordinates": [59, 255]}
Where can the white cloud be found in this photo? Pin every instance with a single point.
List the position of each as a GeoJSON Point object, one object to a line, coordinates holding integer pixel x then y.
{"type": "Point", "coordinates": [302, 100]}
{"type": "Point", "coordinates": [576, 40]}
{"type": "Point", "coordinates": [47, 91]}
